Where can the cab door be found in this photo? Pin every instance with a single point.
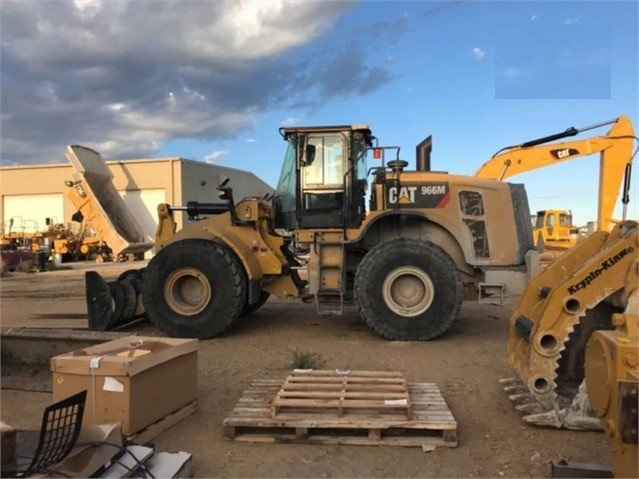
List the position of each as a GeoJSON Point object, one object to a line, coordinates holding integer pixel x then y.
{"type": "Point", "coordinates": [323, 201]}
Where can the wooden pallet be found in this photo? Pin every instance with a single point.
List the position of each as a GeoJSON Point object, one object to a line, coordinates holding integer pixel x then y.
{"type": "Point", "coordinates": [431, 422]}
{"type": "Point", "coordinates": [157, 428]}
{"type": "Point", "coordinates": [343, 392]}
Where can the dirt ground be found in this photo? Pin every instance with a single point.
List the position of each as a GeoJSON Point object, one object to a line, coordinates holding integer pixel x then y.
{"type": "Point", "coordinates": [466, 364]}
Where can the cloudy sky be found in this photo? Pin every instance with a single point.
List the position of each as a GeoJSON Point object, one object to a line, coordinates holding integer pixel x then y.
{"type": "Point", "coordinates": [213, 80]}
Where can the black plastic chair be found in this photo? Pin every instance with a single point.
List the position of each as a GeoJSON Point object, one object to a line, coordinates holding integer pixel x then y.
{"type": "Point", "coordinates": [61, 424]}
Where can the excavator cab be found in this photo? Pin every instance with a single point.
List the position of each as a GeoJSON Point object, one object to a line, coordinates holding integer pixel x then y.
{"type": "Point", "coordinates": [323, 178]}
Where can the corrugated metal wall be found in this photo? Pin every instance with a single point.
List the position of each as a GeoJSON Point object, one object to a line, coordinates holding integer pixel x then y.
{"type": "Point", "coordinates": [182, 180]}
{"type": "Point", "coordinates": [127, 175]}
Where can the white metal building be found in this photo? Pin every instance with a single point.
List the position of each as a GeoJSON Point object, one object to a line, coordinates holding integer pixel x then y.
{"type": "Point", "coordinates": [32, 194]}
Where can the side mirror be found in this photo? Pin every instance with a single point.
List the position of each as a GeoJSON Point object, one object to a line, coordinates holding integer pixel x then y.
{"type": "Point", "coordinates": [222, 180]}
{"type": "Point", "coordinates": [310, 154]}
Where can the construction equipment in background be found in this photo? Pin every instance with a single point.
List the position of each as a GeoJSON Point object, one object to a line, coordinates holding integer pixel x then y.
{"type": "Point", "coordinates": [428, 241]}
{"type": "Point", "coordinates": [19, 233]}
{"type": "Point", "coordinates": [58, 240]}
{"type": "Point", "coordinates": [615, 149]}
{"type": "Point", "coordinates": [553, 229]}
{"type": "Point", "coordinates": [102, 209]}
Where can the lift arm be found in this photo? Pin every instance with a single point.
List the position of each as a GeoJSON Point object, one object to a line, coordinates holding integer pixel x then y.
{"type": "Point", "coordinates": [615, 150]}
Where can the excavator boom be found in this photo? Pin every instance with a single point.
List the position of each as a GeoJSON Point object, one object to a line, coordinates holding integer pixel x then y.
{"type": "Point", "coordinates": [615, 149]}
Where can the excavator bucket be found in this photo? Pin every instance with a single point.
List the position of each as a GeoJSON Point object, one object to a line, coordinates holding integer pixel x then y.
{"type": "Point", "coordinates": [95, 196]}
{"type": "Point", "coordinates": [561, 307]}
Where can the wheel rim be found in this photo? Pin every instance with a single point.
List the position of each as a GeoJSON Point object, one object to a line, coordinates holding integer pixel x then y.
{"type": "Point", "coordinates": [408, 291]}
{"type": "Point", "coordinates": [187, 291]}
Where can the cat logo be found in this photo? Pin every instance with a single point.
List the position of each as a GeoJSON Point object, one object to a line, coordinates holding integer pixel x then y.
{"type": "Point", "coordinates": [404, 195]}
{"type": "Point", "coordinates": [564, 153]}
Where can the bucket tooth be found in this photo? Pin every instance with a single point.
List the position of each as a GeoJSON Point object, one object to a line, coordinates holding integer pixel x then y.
{"type": "Point", "coordinates": [530, 408]}
{"type": "Point", "coordinates": [548, 418]}
{"type": "Point", "coordinates": [521, 398]}
{"type": "Point", "coordinates": [510, 381]}
{"type": "Point", "coordinates": [515, 389]}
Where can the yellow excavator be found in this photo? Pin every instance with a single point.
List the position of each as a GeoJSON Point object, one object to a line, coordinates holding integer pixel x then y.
{"type": "Point", "coordinates": [573, 335]}
{"type": "Point", "coordinates": [615, 149]}
{"type": "Point", "coordinates": [585, 294]}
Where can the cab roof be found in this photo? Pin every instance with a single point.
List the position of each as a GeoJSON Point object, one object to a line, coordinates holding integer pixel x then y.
{"type": "Point", "coordinates": [285, 131]}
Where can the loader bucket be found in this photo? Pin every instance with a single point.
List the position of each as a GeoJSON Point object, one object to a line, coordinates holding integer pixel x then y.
{"type": "Point", "coordinates": [95, 196]}
{"type": "Point", "coordinates": [114, 304]}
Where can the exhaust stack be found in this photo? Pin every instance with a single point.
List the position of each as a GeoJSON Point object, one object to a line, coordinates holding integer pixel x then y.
{"type": "Point", "coordinates": [423, 154]}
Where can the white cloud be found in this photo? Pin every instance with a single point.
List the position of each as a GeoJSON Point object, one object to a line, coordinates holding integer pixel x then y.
{"type": "Point", "coordinates": [572, 21]}
{"type": "Point", "coordinates": [215, 156]}
{"type": "Point", "coordinates": [131, 74]}
{"type": "Point", "coordinates": [87, 8]}
{"type": "Point", "coordinates": [534, 17]}
{"type": "Point", "coordinates": [478, 53]}
{"type": "Point", "coordinates": [251, 140]}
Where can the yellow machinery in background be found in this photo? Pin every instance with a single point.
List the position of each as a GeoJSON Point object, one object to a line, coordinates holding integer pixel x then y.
{"type": "Point", "coordinates": [615, 149]}
{"type": "Point", "coordinates": [554, 229]}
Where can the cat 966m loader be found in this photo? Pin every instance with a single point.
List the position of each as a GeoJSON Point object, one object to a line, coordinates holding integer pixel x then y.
{"type": "Point", "coordinates": [426, 241]}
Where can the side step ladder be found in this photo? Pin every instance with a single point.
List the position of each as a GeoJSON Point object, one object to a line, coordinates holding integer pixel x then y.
{"type": "Point", "coordinates": [329, 251]}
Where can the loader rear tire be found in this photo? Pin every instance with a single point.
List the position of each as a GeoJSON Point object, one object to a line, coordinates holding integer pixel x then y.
{"type": "Point", "coordinates": [408, 289]}
{"type": "Point", "coordinates": [194, 288]}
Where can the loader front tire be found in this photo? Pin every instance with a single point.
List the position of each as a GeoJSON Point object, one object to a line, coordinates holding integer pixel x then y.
{"type": "Point", "coordinates": [408, 289]}
{"type": "Point", "coordinates": [194, 288]}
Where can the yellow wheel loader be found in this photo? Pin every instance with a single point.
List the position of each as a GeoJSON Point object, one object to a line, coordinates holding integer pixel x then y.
{"type": "Point", "coordinates": [425, 241]}
{"type": "Point", "coordinates": [406, 246]}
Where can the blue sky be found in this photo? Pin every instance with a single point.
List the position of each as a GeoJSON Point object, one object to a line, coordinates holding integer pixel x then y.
{"type": "Point", "coordinates": [213, 81]}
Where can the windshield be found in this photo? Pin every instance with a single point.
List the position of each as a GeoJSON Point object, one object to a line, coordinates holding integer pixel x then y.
{"type": "Point", "coordinates": [284, 199]}
{"type": "Point", "coordinates": [540, 220]}
{"type": "Point", "coordinates": [565, 220]}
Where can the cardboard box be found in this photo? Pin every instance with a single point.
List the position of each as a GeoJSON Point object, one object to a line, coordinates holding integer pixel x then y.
{"type": "Point", "coordinates": [135, 381]}
{"type": "Point", "coordinates": [96, 447]}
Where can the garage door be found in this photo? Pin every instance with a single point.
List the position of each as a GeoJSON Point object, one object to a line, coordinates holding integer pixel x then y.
{"type": "Point", "coordinates": [144, 206]}
{"type": "Point", "coordinates": [29, 212]}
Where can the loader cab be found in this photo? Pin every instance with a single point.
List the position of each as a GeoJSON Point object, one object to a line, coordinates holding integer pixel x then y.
{"type": "Point", "coordinates": [323, 178]}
